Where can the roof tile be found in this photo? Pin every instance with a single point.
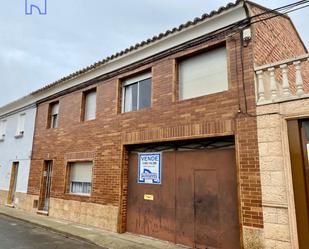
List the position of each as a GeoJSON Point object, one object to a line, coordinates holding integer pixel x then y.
{"type": "Point", "coordinates": [155, 38]}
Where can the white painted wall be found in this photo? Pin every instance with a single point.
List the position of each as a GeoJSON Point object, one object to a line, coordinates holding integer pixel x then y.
{"type": "Point", "coordinates": [17, 150]}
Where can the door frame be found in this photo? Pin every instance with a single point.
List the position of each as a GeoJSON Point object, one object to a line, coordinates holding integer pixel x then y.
{"type": "Point", "coordinates": [297, 162]}
{"type": "Point", "coordinates": [47, 167]}
{"type": "Point", "coordinates": [13, 184]}
{"type": "Point", "coordinates": [125, 151]}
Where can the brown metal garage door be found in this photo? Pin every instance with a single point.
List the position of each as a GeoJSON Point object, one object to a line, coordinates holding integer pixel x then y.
{"type": "Point", "coordinates": [196, 203]}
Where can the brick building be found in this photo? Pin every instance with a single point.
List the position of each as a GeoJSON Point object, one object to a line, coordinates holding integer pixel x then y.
{"type": "Point", "coordinates": [186, 102]}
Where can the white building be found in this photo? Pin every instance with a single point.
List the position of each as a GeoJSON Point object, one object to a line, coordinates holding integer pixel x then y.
{"type": "Point", "coordinates": [17, 121]}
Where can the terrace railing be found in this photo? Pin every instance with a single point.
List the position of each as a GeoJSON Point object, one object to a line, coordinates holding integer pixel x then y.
{"type": "Point", "coordinates": [283, 81]}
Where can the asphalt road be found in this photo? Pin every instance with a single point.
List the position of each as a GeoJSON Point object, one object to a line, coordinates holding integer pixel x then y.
{"type": "Point", "coordinates": [15, 234]}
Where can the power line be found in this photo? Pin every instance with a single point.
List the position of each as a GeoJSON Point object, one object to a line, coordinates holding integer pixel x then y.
{"type": "Point", "coordinates": [290, 9]}
{"type": "Point", "coordinates": [282, 8]}
{"type": "Point", "coordinates": [286, 9]}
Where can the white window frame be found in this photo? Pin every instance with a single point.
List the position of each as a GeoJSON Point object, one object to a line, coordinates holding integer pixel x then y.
{"type": "Point", "coordinates": [85, 94]}
{"type": "Point", "coordinates": [70, 164]}
{"type": "Point", "coordinates": [51, 115]}
{"type": "Point", "coordinates": [131, 81]}
{"type": "Point", "coordinates": [2, 129]}
{"type": "Point", "coordinates": [20, 131]}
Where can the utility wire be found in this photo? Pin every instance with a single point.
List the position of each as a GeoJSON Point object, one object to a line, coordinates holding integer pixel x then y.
{"type": "Point", "coordinates": [276, 14]}
{"type": "Point", "coordinates": [285, 9]}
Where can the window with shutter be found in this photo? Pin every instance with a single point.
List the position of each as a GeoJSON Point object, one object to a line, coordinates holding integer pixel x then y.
{"type": "Point", "coordinates": [89, 107]}
{"type": "Point", "coordinates": [54, 112]}
{"type": "Point", "coordinates": [21, 125]}
{"type": "Point", "coordinates": [80, 177]}
{"type": "Point", "coordinates": [203, 74]}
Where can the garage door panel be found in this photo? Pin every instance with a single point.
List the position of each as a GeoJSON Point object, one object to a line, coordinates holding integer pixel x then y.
{"type": "Point", "coordinates": [196, 204]}
{"type": "Point", "coordinates": [184, 205]}
{"type": "Point", "coordinates": [207, 214]}
{"type": "Point", "coordinates": [155, 217]}
{"type": "Point", "coordinates": [228, 198]}
{"type": "Point", "coordinates": [184, 211]}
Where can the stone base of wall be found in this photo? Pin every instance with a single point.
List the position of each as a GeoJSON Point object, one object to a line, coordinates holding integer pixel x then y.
{"type": "Point", "coordinates": [3, 197]}
{"type": "Point", "coordinates": [25, 202]}
{"type": "Point", "coordinates": [280, 230]}
{"type": "Point", "coordinates": [276, 225]}
{"type": "Point", "coordinates": [253, 238]}
{"type": "Point", "coordinates": [91, 214]}
{"type": "Point", "coordinates": [22, 200]}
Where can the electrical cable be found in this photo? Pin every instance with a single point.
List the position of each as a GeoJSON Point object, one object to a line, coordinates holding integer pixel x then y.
{"type": "Point", "coordinates": [288, 9]}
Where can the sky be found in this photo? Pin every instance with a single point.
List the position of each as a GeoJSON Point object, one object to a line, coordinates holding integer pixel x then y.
{"type": "Point", "coordinates": [36, 50]}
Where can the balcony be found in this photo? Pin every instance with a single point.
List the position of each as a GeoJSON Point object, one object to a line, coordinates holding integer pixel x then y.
{"type": "Point", "coordinates": [283, 81]}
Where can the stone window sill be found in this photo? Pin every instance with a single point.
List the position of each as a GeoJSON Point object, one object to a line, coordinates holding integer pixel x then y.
{"type": "Point", "coordinates": [79, 194]}
{"type": "Point", "coordinates": [19, 135]}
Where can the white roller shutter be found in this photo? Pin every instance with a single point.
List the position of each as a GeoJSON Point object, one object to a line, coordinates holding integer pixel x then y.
{"type": "Point", "coordinates": [81, 172]}
{"type": "Point", "coordinates": [90, 105]}
{"type": "Point", "coordinates": [203, 74]}
{"type": "Point", "coordinates": [55, 109]}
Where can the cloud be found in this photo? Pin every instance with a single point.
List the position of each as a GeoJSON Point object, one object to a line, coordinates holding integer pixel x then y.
{"type": "Point", "coordinates": [37, 50]}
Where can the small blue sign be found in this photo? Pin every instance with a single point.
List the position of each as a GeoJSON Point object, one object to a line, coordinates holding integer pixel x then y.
{"type": "Point", "coordinates": [39, 5]}
{"type": "Point", "coordinates": [149, 168]}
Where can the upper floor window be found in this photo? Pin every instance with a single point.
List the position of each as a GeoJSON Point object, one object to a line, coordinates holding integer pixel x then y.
{"type": "Point", "coordinates": [2, 129]}
{"type": "Point", "coordinates": [80, 178]}
{"type": "Point", "coordinates": [21, 125]}
{"type": "Point", "coordinates": [53, 118]}
{"type": "Point", "coordinates": [136, 93]}
{"type": "Point", "coordinates": [203, 74]}
{"type": "Point", "coordinates": [89, 105]}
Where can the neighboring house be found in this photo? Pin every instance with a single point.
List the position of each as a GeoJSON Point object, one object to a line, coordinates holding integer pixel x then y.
{"type": "Point", "coordinates": [180, 137]}
{"type": "Point", "coordinates": [16, 138]}
{"type": "Point", "coordinates": [283, 136]}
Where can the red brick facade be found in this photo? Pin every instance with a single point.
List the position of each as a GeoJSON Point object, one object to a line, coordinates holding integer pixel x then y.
{"type": "Point", "coordinates": [276, 39]}
{"type": "Point", "coordinates": [104, 139]}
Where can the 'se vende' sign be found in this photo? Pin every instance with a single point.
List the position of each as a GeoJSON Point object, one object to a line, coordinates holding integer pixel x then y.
{"type": "Point", "coordinates": [149, 168]}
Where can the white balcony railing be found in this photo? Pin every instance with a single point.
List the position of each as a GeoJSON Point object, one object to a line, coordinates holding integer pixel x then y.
{"type": "Point", "coordinates": [283, 81]}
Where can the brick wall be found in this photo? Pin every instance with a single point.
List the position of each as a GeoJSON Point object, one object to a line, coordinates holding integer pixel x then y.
{"type": "Point", "coordinates": [277, 39]}
{"type": "Point", "coordinates": [103, 140]}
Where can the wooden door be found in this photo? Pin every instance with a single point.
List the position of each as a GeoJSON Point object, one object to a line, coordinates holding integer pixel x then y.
{"type": "Point", "coordinates": [206, 199]}
{"type": "Point", "coordinates": [13, 182]}
{"type": "Point", "coordinates": [298, 140]}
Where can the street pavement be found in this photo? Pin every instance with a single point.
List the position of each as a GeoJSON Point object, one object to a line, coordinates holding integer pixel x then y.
{"type": "Point", "coordinates": [16, 234]}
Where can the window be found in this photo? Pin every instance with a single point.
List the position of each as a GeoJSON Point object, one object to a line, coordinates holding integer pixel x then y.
{"type": "Point", "coordinates": [2, 129]}
{"type": "Point", "coordinates": [89, 102]}
{"type": "Point", "coordinates": [21, 125]}
{"type": "Point", "coordinates": [80, 176]}
{"type": "Point", "coordinates": [137, 93]}
{"type": "Point", "coordinates": [53, 119]}
{"type": "Point", "coordinates": [203, 74]}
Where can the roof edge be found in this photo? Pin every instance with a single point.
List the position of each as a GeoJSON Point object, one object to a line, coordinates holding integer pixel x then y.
{"type": "Point", "coordinates": [35, 95]}
{"type": "Point", "coordinates": [248, 2]}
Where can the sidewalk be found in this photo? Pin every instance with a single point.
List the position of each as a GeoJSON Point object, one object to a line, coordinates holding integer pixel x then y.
{"type": "Point", "coordinates": [99, 237]}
